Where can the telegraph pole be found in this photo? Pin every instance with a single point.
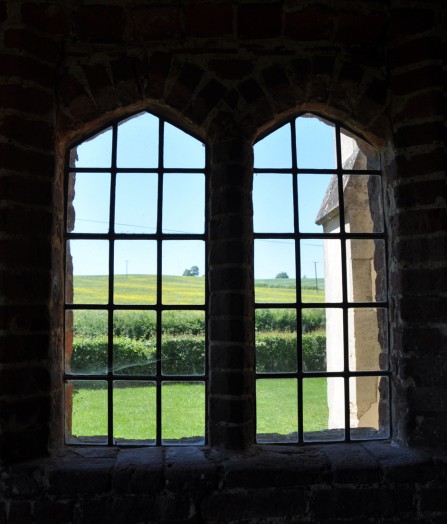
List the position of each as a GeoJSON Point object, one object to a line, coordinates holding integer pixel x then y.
{"type": "Point", "coordinates": [316, 281]}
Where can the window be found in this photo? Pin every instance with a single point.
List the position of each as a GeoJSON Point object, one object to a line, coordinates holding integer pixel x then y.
{"type": "Point", "coordinates": [136, 292]}
{"type": "Point", "coordinates": [321, 311]}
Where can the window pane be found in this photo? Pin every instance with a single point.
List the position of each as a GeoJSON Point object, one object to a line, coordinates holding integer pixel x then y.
{"type": "Point", "coordinates": [274, 151]}
{"type": "Point", "coordinates": [318, 203]}
{"type": "Point", "coordinates": [183, 203]}
{"type": "Point", "coordinates": [363, 203]}
{"type": "Point", "coordinates": [273, 203]}
{"type": "Point", "coordinates": [136, 203]}
{"type": "Point", "coordinates": [369, 405]}
{"type": "Point", "coordinates": [356, 153]}
{"type": "Point", "coordinates": [276, 410]}
{"type": "Point", "coordinates": [315, 143]}
{"type": "Point", "coordinates": [368, 339]}
{"type": "Point", "coordinates": [88, 262]}
{"type": "Point", "coordinates": [275, 270]}
{"type": "Point", "coordinates": [185, 425]}
{"type": "Point", "coordinates": [86, 341]}
{"type": "Point", "coordinates": [91, 203]}
{"type": "Point", "coordinates": [322, 339]}
{"type": "Point", "coordinates": [135, 278]}
{"type": "Point", "coordinates": [276, 340]}
{"type": "Point", "coordinates": [183, 343]}
{"type": "Point", "coordinates": [366, 270]}
{"type": "Point", "coordinates": [86, 421]}
{"type": "Point", "coordinates": [323, 409]}
{"type": "Point", "coordinates": [314, 286]}
{"type": "Point", "coordinates": [182, 150]}
{"type": "Point", "coordinates": [134, 342]}
{"type": "Point", "coordinates": [134, 411]}
{"type": "Point", "coordinates": [183, 269]}
{"type": "Point", "coordinates": [138, 142]}
{"type": "Point", "coordinates": [95, 151]}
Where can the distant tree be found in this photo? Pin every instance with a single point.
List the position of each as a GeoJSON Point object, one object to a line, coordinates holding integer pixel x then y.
{"type": "Point", "coordinates": [283, 274]}
{"type": "Point", "coordinates": [192, 272]}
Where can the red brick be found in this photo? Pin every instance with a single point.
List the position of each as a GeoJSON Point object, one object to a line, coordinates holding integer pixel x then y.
{"type": "Point", "coordinates": [3, 12]}
{"type": "Point", "coordinates": [29, 132]}
{"type": "Point", "coordinates": [17, 159]}
{"type": "Point", "coordinates": [20, 512]}
{"type": "Point", "coordinates": [422, 309]}
{"type": "Point", "coordinates": [157, 22]}
{"type": "Point", "coordinates": [421, 222]}
{"type": "Point", "coordinates": [47, 17]}
{"type": "Point", "coordinates": [410, 21]}
{"type": "Point", "coordinates": [25, 285]}
{"type": "Point", "coordinates": [24, 319]}
{"type": "Point", "coordinates": [310, 24]}
{"type": "Point", "coordinates": [416, 250]}
{"type": "Point", "coordinates": [230, 69]}
{"type": "Point", "coordinates": [185, 86]}
{"type": "Point", "coordinates": [360, 27]}
{"type": "Point", "coordinates": [27, 68]}
{"type": "Point", "coordinates": [158, 72]}
{"type": "Point", "coordinates": [100, 23]}
{"type": "Point", "coordinates": [26, 99]}
{"type": "Point", "coordinates": [21, 220]}
{"type": "Point", "coordinates": [423, 105]}
{"type": "Point", "coordinates": [26, 412]}
{"type": "Point", "coordinates": [24, 381]}
{"type": "Point", "coordinates": [23, 348]}
{"type": "Point", "coordinates": [41, 47]}
{"type": "Point", "coordinates": [419, 134]}
{"type": "Point", "coordinates": [418, 50]}
{"type": "Point", "coordinates": [209, 20]}
{"type": "Point", "coordinates": [430, 192]}
{"type": "Point", "coordinates": [29, 190]}
{"type": "Point", "coordinates": [259, 21]}
{"type": "Point", "coordinates": [420, 164]}
{"type": "Point", "coordinates": [424, 77]}
{"type": "Point", "coordinates": [423, 282]}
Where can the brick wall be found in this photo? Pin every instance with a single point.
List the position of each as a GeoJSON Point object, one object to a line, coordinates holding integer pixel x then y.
{"type": "Point", "coordinates": [227, 71]}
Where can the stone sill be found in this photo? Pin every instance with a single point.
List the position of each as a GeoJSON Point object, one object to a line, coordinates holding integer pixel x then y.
{"type": "Point", "coordinates": [151, 470]}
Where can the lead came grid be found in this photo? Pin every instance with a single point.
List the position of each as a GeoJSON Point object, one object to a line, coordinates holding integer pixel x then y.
{"type": "Point", "coordinates": [351, 377]}
{"type": "Point", "coordinates": [157, 380]}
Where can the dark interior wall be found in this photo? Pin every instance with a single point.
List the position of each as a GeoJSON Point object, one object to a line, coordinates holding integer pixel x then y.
{"type": "Point", "coordinates": [227, 71]}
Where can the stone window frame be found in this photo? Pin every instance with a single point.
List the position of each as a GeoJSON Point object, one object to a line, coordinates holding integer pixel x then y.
{"type": "Point", "coordinates": [231, 376]}
{"type": "Point", "coordinates": [363, 163]}
{"type": "Point", "coordinates": [158, 308]}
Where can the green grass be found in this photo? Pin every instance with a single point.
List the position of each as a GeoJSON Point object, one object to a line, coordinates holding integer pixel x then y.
{"type": "Point", "coordinates": [142, 289]}
{"type": "Point", "coordinates": [183, 410]}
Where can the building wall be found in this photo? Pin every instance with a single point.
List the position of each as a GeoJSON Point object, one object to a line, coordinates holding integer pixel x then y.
{"type": "Point", "coordinates": [227, 71]}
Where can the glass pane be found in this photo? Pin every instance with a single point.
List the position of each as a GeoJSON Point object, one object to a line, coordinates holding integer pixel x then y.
{"type": "Point", "coordinates": [322, 339]}
{"type": "Point", "coordinates": [134, 342]}
{"type": "Point", "coordinates": [363, 203]}
{"type": "Point", "coordinates": [368, 339]}
{"type": "Point", "coordinates": [183, 269]}
{"type": "Point", "coordinates": [315, 143]}
{"type": "Point", "coordinates": [134, 411]}
{"type": "Point", "coordinates": [185, 425]}
{"type": "Point", "coordinates": [318, 203]}
{"type": "Point", "coordinates": [276, 340]}
{"type": "Point", "coordinates": [323, 409]}
{"type": "Point", "coordinates": [183, 203]}
{"type": "Point", "coordinates": [86, 341]}
{"type": "Point", "coordinates": [86, 411]}
{"type": "Point", "coordinates": [369, 407]}
{"type": "Point", "coordinates": [276, 410]}
{"type": "Point", "coordinates": [273, 203]}
{"type": "Point", "coordinates": [366, 270]}
{"type": "Point", "coordinates": [183, 343]}
{"type": "Point", "coordinates": [320, 270]}
{"type": "Point", "coordinates": [91, 203]}
{"type": "Point", "coordinates": [88, 262]}
{"type": "Point", "coordinates": [136, 203]}
{"type": "Point", "coordinates": [275, 270]}
{"type": "Point", "coordinates": [356, 153]}
{"type": "Point", "coordinates": [275, 150]}
{"type": "Point", "coordinates": [135, 278]}
{"type": "Point", "coordinates": [138, 142]}
{"type": "Point", "coordinates": [182, 150]}
{"type": "Point", "coordinates": [95, 151]}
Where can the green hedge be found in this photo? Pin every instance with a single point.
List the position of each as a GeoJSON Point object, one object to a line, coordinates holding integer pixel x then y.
{"type": "Point", "coordinates": [185, 354]}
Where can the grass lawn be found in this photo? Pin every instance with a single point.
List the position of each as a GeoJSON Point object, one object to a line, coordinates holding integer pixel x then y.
{"type": "Point", "coordinates": [183, 412]}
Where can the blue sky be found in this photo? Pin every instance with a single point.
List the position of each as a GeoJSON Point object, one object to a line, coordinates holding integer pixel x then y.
{"type": "Point", "coordinates": [183, 203]}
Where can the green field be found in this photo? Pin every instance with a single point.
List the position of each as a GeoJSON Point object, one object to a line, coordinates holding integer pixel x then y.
{"type": "Point", "coordinates": [142, 289]}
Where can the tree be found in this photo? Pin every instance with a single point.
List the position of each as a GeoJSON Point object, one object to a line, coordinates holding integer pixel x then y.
{"type": "Point", "coordinates": [192, 272]}
{"type": "Point", "coordinates": [283, 274]}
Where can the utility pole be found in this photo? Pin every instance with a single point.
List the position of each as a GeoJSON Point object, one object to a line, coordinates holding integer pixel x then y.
{"type": "Point", "coordinates": [316, 280]}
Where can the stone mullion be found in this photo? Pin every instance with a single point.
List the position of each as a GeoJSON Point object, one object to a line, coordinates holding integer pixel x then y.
{"type": "Point", "coordinates": [231, 330]}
